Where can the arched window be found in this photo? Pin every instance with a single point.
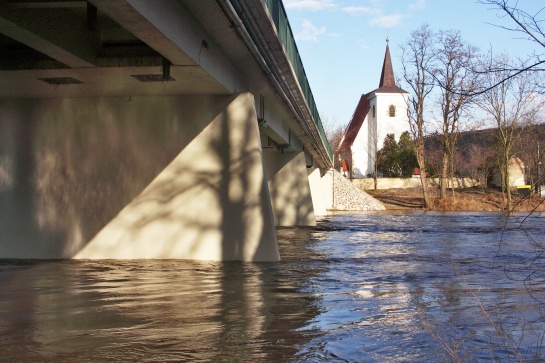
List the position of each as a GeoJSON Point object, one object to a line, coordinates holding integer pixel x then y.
{"type": "Point", "coordinates": [374, 112]}
{"type": "Point", "coordinates": [392, 111]}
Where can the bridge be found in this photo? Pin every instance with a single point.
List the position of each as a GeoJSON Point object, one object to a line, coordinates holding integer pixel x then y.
{"type": "Point", "coordinates": [154, 129]}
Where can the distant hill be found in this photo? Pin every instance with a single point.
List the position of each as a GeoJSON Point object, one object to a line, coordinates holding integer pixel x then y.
{"type": "Point", "coordinates": [476, 150]}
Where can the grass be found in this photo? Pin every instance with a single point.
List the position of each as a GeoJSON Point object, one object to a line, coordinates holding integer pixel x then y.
{"type": "Point", "coordinates": [465, 199]}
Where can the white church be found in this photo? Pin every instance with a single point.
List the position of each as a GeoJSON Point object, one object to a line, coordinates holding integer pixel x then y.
{"type": "Point", "coordinates": [379, 113]}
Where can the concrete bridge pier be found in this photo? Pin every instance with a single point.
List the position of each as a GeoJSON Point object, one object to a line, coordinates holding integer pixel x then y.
{"type": "Point", "coordinates": [140, 177]}
{"type": "Point", "coordinates": [317, 192]}
{"type": "Point", "coordinates": [289, 188]}
{"type": "Point", "coordinates": [210, 203]}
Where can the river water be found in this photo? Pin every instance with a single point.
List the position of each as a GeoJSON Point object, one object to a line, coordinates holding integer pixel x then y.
{"type": "Point", "coordinates": [370, 287]}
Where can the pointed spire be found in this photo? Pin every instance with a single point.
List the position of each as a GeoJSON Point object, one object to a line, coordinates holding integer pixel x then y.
{"type": "Point", "coordinates": [387, 78]}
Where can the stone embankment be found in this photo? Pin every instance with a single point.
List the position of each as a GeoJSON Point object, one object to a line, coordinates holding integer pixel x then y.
{"type": "Point", "coordinates": [347, 197]}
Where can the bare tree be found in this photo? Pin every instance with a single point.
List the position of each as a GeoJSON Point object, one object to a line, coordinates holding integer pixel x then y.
{"type": "Point", "coordinates": [334, 134]}
{"type": "Point", "coordinates": [453, 72]}
{"type": "Point", "coordinates": [480, 162]}
{"type": "Point", "coordinates": [433, 161]}
{"type": "Point", "coordinates": [512, 104]}
{"type": "Point", "coordinates": [417, 56]}
{"type": "Point", "coordinates": [531, 146]}
{"type": "Point", "coordinates": [530, 25]}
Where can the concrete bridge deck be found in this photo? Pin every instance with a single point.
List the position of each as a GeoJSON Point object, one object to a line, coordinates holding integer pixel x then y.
{"type": "Point", "coordinates": [154, 129]}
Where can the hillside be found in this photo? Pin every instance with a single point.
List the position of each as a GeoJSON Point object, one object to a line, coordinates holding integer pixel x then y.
{"type": "Point", "coordinates": [476, 150]}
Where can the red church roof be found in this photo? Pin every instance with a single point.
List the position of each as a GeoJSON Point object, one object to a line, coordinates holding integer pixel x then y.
{"type": "Point", "coordinates": [355, 124]}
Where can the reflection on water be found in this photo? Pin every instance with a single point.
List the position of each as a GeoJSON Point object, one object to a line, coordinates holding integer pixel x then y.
{"type": "Point", "coordinates": [369, 287]}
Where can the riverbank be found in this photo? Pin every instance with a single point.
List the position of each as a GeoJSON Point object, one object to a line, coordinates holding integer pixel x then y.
{"type": "Point", "coordinates": [464, 199]}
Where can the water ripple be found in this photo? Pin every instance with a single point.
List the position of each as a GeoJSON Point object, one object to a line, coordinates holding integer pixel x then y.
{"type": "Point", "coordinates": [398, 287]}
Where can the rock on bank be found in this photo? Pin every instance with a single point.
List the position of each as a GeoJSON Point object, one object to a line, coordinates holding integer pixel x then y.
{"type": "Point", "coordinates": [347, 197]}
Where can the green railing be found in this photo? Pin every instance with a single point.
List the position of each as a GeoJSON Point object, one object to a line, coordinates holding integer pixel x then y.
{"type": "Point", "coordinates": [278, 14]}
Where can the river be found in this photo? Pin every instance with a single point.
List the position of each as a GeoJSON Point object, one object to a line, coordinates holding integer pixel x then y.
{"type": "Point", "coordinates": [370, 287]}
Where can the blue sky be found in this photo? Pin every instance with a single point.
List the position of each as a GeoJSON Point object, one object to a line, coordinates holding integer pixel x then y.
{"type": "Point", "coordinates": [342, 42]}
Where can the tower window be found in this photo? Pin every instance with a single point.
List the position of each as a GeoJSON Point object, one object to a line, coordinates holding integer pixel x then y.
{"type": "Point", "coordinates": [392, 111]}
{"type": "Point", "coordinates": [374, 112]}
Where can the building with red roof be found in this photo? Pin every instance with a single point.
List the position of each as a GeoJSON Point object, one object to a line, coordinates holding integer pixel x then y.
{"type": "Point", "coordinates": [378, 113]}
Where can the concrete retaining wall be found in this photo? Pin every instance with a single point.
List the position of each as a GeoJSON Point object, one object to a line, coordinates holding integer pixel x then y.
{"type": "Point", "coordinates": [389, 183]}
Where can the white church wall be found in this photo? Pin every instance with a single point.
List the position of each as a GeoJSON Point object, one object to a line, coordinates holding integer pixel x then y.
{"type": "Point", "coordinates": [373, 137]}
{"type": "Point", "coordinates": [391, 125]}
{"type": "Point", "coordinates": [376, 126]}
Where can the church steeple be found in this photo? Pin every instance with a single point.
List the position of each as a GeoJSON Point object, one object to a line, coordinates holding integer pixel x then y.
{"type": "Point", "coordinates": [387, 78]}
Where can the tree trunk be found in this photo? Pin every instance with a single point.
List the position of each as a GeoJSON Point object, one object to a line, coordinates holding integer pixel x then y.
{"type": "Point", "coordinates": [485, 184]}
{"type": "Point", "coordinates": [505, 177]}
{"type": "Point", "coordinates": [419, 148]}
{"type": "Point", "coordinates": [375, 173]}
{"type": "Point", "coordinates": [451, 176]}
{"type": "Point", "coordinates": [444, 176]}
{"type": "Point", "coordinates": [507, 185]}
{"type": "Point", "coordinates": [425, 191]}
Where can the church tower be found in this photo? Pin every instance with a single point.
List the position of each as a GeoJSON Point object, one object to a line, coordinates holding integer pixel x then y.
{"type": "Point", "coordinates": [379, 113]}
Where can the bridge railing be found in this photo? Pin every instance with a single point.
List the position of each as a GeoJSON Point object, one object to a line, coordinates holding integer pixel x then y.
{"type": "Point", "coordinates": [278, 14]}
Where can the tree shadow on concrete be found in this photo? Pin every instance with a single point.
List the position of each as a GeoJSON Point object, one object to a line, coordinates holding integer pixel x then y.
{"type": "Point", "coordinates": [89, 158]}
{"type": "Point", "coordinates": [212, 190]}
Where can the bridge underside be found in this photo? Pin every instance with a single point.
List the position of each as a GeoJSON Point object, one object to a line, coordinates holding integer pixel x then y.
{"type": "Point", "coordinates": [135, 129]}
